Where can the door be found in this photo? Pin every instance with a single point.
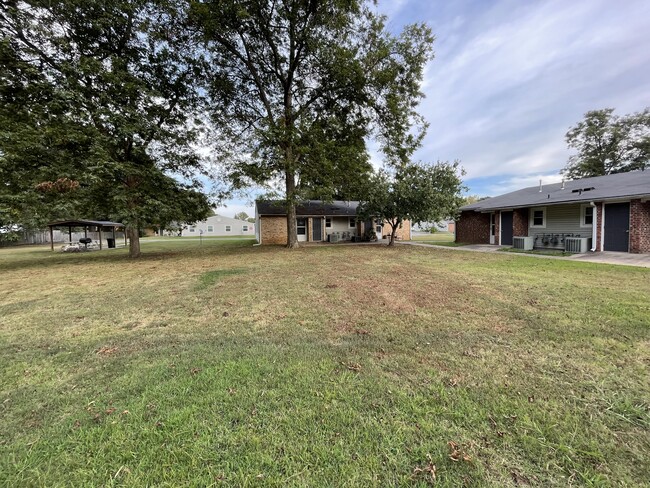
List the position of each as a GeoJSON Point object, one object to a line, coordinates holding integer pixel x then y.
{"type": "Point", "coordinates": [301, 225]}
{"type": "Point", "coordinates": [506, 228]}
{"type": "Point", "coordinates": [493, 223]}
{"type": "Point", "coordinates": [617, 227]}
{"type": "Point", "coordinates": [378, 230]}
{"type": "Point", "coordinates": [316, 229]}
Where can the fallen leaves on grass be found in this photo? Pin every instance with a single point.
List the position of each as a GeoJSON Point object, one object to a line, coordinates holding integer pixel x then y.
{"type": "Point", "coordinates": [106, 351]}
{"type": "Point", "coordinates": [519, 479]}
{"type": "Point", "coordinates": [356, 367]}
{"type": "Point", "coordinates": [195, 371]}
{"type": "Point", "coordinates": [428, 472]}
{"type": "Point", "coordinates": [452, 382]}
{"type": "Point", "coordinates": [457, 452]}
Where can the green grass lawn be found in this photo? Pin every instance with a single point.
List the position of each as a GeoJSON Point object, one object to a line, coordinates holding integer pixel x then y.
{"type": "Point", "coordinates": [225, 364]}
{"type": "Point", "coordinates": [438, 239]}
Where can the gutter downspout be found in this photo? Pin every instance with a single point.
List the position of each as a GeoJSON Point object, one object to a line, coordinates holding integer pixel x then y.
{"type": "Point", "coordinates": [594, 231]}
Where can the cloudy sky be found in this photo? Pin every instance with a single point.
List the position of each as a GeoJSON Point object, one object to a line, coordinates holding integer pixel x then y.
{"type": "Point", "coordinates": [510, 77]}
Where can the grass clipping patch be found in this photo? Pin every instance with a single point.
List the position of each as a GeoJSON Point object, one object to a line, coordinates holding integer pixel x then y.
{"type": "Point", "coordinates": [209, 278]}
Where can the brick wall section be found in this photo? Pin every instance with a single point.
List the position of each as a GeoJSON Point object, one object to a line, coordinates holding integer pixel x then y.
{"type": "Point", "coordinates": [520, 222]}
{"type": "Point", "coordinates": [639, 226]}
{"type": "Point", "coordinates": [273, 229]}
{"type": "Point", "coordinates": [403, 232]}
{"type": "Point", "coordinates": [473, 228]}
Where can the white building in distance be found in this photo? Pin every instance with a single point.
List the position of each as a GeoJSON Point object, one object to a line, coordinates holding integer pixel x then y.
{"type": "Point", "coordinates": [219, 226]}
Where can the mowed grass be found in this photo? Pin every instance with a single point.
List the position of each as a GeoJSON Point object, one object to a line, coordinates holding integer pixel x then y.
{"type": "Point", "coordinates": [438, 238]}
{"type": "Point", "coordinates": [225, 364]}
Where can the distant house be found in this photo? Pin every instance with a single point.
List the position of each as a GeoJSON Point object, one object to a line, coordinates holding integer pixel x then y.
{"type": "Point", "coordinates": [219, 226]}
{"type": "Point", "coordinates": [608, 213]}
{"type": "Point", "coordinates": [443, 225]}
{"type": "Point", "coordinates": [317, 221]}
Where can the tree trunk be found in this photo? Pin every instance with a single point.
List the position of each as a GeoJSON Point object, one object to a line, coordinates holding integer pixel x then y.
{"type": "Point", "coordinates": [134, 240]}
{"type": "Point", "coordinates": [393, 231]}
{"type": "Point", "coordinates": [292, 231]}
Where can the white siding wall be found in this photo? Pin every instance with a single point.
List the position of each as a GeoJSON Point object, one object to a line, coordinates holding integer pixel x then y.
{"type": "Point", "coordinates": [218, 225]}
{"type": "Point", "coordinates": [339, 224]}
{"type": "Point", "coordinates": [560, 219]}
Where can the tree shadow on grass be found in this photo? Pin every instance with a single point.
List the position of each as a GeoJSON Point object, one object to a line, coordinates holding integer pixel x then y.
{"type": "Point", "coordinates": [48, 259]}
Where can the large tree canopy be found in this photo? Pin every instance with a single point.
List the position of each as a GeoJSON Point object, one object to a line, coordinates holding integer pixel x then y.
{"type": "Point", "coordinates": [102, 94]}
{"type": "Point", "coordinates": [303, 84]}
{"type": "Point", "coordinates": [607, 143]}
{"type": "Point", "coordinates": [418, 192]}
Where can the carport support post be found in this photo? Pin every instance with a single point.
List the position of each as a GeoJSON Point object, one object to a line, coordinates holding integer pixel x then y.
{"type": "Point", "coordinates": [51, 238]}
{"type": "Point", "coordinates": [125, 243]}
{"type": "Point", "coordinates": [114, 241]}
{"type": "Point", "coordinates": [100, 237]}
{"type": "Point", "coordinates": [70, 234]}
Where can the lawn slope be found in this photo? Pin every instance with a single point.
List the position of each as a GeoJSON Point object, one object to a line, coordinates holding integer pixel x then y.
{"type": "Point", "coordinates": [220, 363]}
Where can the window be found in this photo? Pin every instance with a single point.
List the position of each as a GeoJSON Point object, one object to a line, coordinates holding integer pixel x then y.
{"type": "Point", "coordinates": [586, 216]}
{"type": "Point", "coordinates": [192, 229]}
{"type": "Point", "coordinates": [492, 224]}
{"type": "Point", "coordinates": [244, 228]}
{"type": "Point", "coordinates": [210, 228]}
{"type": "Point", "coordinates": [227, 228]}
{"type": "Point", "coordinates": [301, 225]}
{"type": "Point", "coordinates": [353, 222]}
{"type": "Point", "coordinates": [328, 221]}
{"type": "Point", "coordinates": [538, 217]}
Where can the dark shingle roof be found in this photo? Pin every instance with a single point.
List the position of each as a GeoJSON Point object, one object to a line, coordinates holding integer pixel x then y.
{"type": "Point", "coordinates": [308, 208]}
{"type": "Point", "coordinates": [622, 185]}
{"type": "Point", "coordinates": [82, 223]}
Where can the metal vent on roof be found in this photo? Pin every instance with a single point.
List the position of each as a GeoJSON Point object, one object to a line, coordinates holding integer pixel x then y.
{"type": "Point", "coordinates": [580, 190]}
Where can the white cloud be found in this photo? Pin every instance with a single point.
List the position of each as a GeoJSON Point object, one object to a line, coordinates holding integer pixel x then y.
{"type": "Point", "coordinates": [518, 182]}
{"type": "Point", "coordinates": [232, 208]}
{"type": "Point", "coordinates": [510, 77]}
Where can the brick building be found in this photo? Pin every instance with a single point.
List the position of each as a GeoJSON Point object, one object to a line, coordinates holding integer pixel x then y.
{"type": "Point", "coordinates": [318, 221]}
{"type": "Point", "coordinates": [610, 213]}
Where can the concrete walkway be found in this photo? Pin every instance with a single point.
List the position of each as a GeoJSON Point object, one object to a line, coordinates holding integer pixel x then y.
{"type": "Point", "coordinates": [606, 257]}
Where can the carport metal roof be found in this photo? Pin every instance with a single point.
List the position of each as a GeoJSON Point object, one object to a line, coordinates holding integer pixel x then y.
{"type": "Point", "coordinates": [70, 224]}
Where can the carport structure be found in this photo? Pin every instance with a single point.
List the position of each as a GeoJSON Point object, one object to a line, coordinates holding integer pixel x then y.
{"type": "Point", "coordinates": [100, 225]}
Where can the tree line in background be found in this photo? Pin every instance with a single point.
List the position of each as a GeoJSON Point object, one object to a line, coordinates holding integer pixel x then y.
{"type": "Point", "coordinates": [105, 107]}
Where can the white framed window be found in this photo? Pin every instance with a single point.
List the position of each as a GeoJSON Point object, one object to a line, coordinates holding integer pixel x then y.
{"type": "Point", "coordinates": [586, 216]}
{"type": "Point", "coordinates": [192, 229]}
{"type": "Point", "coordinates": [328, 222]}
{"type": "Point", "coordinates": [244, 228]}
{"type": "Point", "coordinates": [538, 217]}
{"type": "Point", "coordinates": [227, 228]}
{"type": "Point", "coordinates": [352, 223]}
{"type": "Point", "coordinates": [210, 228]}
{"type": "Point", "coordinates": [301, 227]}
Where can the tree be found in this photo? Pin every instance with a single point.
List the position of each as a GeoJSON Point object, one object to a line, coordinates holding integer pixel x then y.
{"type": "Point", "coordinates": [104, 94]}
{"type": "Point", "coordinates": [416, 192]}
{"type": "Point", "coordinates": [469, 199]}
{"type": "Point", "coordinates": [303, 84]}
{"type": "Point", "coordinates": [607, 143]}
{"type": "Point", "coordinates": [241, 216]}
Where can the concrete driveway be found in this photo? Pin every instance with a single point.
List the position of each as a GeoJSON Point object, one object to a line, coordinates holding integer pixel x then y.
{"type": "Point", "coordinates": [625, 258]}
{"type": "Point", "coordinates": [606, 257]}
